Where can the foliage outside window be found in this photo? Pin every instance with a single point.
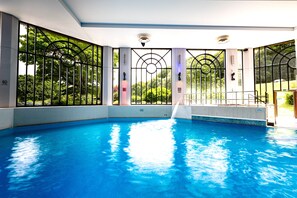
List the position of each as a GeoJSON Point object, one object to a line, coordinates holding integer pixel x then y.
{"type": "Point", "coordinates": [115, 77]}
{"type": "Point", "coordinates": [55, 69]}
{"type": "Point", "coordinates": [151, 76]}
{"type": "Point", "coordinates": [206, 76]}
{"type": "Point", "coordinates": [275, 68]}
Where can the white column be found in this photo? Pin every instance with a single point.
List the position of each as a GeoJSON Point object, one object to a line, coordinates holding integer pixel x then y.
{"type": "Point", "coordinates": [125, 66]}
{"type": "Point", "coordinates": [231, 67]}
{"type": "Point", "coordinates": [178, 65]}
{"type": "Point", "coordinates": [248, 70]}
{"type": "Point", "coordinates": [9, 26]}
{"type": "Point", "coordinates": [248, 74]}
{"type": "Point", "coordinates": [107, 76]}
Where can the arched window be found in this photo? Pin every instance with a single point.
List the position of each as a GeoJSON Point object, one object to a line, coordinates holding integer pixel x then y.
{"type": "Point", "coordinates": [205, 75]}
{"type": "Point", "coordinates": [55, 69]}
{"type": "Point", "coordinates": [151, 76]}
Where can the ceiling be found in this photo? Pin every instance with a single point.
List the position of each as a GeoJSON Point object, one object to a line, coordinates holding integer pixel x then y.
{"type": "Point", "coordinates": [171, 23]}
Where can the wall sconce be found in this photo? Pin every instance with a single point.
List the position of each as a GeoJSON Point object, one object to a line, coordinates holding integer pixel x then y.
{"type": "Point", "coordinates": [124, 90]}
{"type": "Point", "coordinates": [232, 75]}
{"type": "Point", "coordinates": [124, 75]}
{"type": "Point", "coordinates": [179, 83]}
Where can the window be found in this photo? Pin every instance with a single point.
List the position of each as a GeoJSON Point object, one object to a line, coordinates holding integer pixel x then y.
{"type": "Point", "coordinates": [275, 68]}
{"type": "Point", "coordinates": [151, 76]}
{"type": "Point", "coordinates": [56, 69]}
{"type": "Point", "coordinates": [115, 76]}
{"type": "Point", "coordinates": [205, 76]}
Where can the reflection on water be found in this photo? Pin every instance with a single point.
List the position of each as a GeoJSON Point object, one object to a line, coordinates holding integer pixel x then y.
{"type": "Point", "coordinates": [273, 174]}
{"type": "Point", "coordinates": [115, 140]}
{"type": "Point", "coordinates": [24, 162]}
{"type": "Point", "coordinates": [151, 146]}
{"type": "Point", "coordinates": [283, 137]}
{"type": "Point", "coordinates": [207, 163]}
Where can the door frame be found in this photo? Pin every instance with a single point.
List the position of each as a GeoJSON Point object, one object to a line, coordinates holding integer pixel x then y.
{"type": "Point", "coordinates": [294, 102]}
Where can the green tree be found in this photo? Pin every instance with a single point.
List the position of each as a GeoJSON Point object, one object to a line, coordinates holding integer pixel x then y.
{"type": "Point", "coordinates": [150, 91]}
{"type": "Point", "coordinates": [158, 95]}
{"type": "Point", "coordinates": [290, 99]}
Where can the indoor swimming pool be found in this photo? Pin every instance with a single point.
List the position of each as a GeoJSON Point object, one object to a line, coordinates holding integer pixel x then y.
{"type": "Point", "coordinates": [148, 158]}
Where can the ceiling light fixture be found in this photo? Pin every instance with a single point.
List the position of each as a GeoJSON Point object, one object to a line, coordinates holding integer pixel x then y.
{"type": "Point", "coordinates": [223, 39]}
{"type": "Point", "coordinates": [143, 38]}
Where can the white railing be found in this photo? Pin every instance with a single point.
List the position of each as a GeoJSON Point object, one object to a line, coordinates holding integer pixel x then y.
{"type": "Point", "coordinates": [246, 98]}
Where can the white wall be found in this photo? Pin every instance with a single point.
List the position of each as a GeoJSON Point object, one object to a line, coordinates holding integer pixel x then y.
{"type": "Point", "coordinates": [6, 118]}
{"type": "Point", "coordinates": [8, 61]}
{"type": "Point", "coordinates": [43, 115]}
{"type": "Point", "coordinates": [257, 113]}
{"type": "Point", "coordinates": [13, 117]}
{"type": "Point", "coordinates": [248, 70]}
{"type": "Point", "coordinates": [140, 111]}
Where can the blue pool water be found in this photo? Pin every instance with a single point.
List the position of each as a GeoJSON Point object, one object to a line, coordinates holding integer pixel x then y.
{"type": "Point", "coordinates": [149, 158]}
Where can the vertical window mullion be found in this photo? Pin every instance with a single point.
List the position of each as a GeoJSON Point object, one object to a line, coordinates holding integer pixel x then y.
{"type": "Point", "coordinates": [92, 79]}
{"type": "Point", "coordinates": [43, 76]}
{"type": "Point", "coordinates": [52, 80]}
{"type": "Point", "coordinates": [73, 85]}
{"type": "Point", "coordinates": [87, 83]}
{"type": "Point", "coordinates": [60, 83]}
{"type": "Point", "coordinates": [34, 72]}
{"type": "Point", "coordinates": [97, 76]}
{"type": "Point", "coordinates": [80, 83]}
{"type": "Point", "coordinates": [26, 75]}
{"type": "Point", "coordinates": [67, 70]}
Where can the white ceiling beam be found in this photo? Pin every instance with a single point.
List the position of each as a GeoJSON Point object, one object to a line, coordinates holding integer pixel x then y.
{"type": "Point", "coordinates": [70, 11]}
{"type": "Point", "coordinates": [179, 26]}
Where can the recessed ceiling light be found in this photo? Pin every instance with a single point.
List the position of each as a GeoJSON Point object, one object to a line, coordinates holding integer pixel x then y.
{"type": "Point", "coordinates": [223, 39]}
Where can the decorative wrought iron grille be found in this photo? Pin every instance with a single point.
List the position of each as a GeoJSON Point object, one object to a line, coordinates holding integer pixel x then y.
{"type": "Point", "coordinates": [275, 68]}
{"type": "Point", "coordinates": [55, 69]}
{"type": "Point", "coordinates": [115, 76]}
{"type": "Point", "coordinates": [206, 75]}
{"type": "Point", "coordinates": [151, 76]}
